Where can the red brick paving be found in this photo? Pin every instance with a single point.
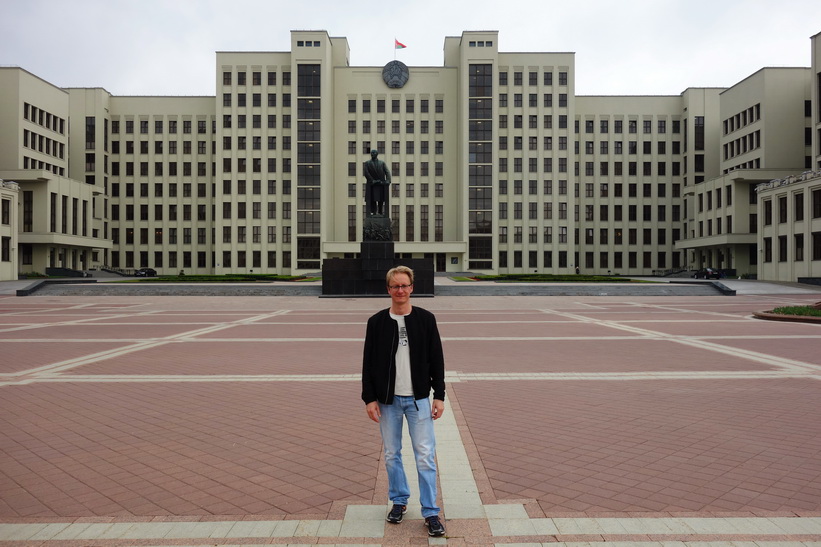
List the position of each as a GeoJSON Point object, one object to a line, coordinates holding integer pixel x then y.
{"type": "Point", "coordinates": [575, 356]}
{"type": "Point", "coordinates": [228, 357]}
{"type": "Point", "coordinates": [21, 356]}
{"type": "Point", "coordinates": [753, 327]}
{"type": "Point", "coordinates": [280, 331]}
{"type": "Point", "coordinates": [85, 331]}
{"type": "Point", "coordinates": [574, 329]}
{"type": "Point", "coordinates": [787, 348]}
{"type": "Point", "coordinates": [650, 446]}
{"type": "Point", "coordinates": [286, 449]}
{"type": "Point", "coordinates": [72, 450]}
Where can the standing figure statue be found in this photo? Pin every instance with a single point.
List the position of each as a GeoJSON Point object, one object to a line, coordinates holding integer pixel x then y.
{"type": "Point", "coordinates": [378, 178]}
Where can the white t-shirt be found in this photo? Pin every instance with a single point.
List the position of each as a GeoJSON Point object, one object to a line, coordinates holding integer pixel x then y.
{"type": "Point", "coordinates": [403, 385]}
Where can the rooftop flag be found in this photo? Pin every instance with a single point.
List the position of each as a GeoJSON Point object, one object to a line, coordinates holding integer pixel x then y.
{"type": "Point", "coordinates": [398, 44]}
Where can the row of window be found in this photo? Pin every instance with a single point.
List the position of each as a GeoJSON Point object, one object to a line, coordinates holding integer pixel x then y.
{"type": "Point", "coordinates": [589, 260]}
{"type": "Point", "coordinates": [242, 143]}
{"type": "Point", "coordinates": [44, 118]}
{"type": "Point", "coordinates": [410, 147]}
{"type": "Point", "coordinates": [158, 126]}
{"type": "Point", "coordinates": [589, 212]}
{"type": "Point", "coordinates": [632, 126]}
{"type": "Point", "coordinates": [751, 164]}
{"type": "Point", "coordinates": [409, 169]}
{"type": "Point", "coordinates": [410, 106]}
{"type": "Point", "coordinates": [589, 167]}
{"type": "Point", "coordinates": [533, 100]}
{"type": "Point", "coordinates": [184, 259]}
{"type": "Point", "coordinates": [589, 189]}
{"type": "Point", "coordinates": [410, 189]}
{"type": "Point", "coordinates": [227, 186]}
{"type": "Point", "coordinates": [256, 121]}
{"type": "Point", "coordinates": [242, 165]}
{"type": "Point", "coordinates": [396, 126]}
{"type": "Point", "coordinates": [67, 215]}
{"type": "Point", "coordinates": [256, 78]}
{"type": "Point", "coordinates": [409, 221]}
{"type": "Point", "coordinates": [159, 147]}
{"type": "Point", "coordinates": [532, 78]}
{"type": "Point", "coordinates": [742, 119]}
{"type": "Point", "coordinates": [798, 208]}
{"type": "Point", "coordinates": [256, 100]}
{"type": "Point", "coordinates": [604, 146]}
{"type": "Point", "coordinates": [721, 196]}
{"type": "Point", "coordinates": [159, 169]}
{"type": "Point", "coordinates": [589, 236]}
{"type": "Point", "coordinates": [34, 163]}
{"type": "Point", "coordinates": [798, 248]}
{"type": "Point", "coordinates": [722, 225]}
{"type": "Point", "coordinates": [229, 165]}
{"type": "Point", "coordinates": [43, 144]}
{"type": "Point", "coordinates": [185, 236]}
{"type": "Point", "coordinates": [742, 145]}
{"type": "Point", "coordinates": [171, 211]}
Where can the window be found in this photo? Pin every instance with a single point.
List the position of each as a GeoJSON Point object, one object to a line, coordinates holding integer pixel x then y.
{"type": "Point", "coordinates": [768, 249]}
{"type": "Point", "coordinates": [782, 248]}
{"type": "Point", "coordinates": [816, 204]}
{"type": "Point", "coordinates": [816, 245]}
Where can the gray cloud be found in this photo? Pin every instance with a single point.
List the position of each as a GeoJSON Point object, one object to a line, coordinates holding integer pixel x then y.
{"type": "Point", "coordinates": [630, 47]}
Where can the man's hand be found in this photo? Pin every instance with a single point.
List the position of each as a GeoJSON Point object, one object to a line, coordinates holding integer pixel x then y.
{"type": "Point", "coordinates": [438, 409]}
{"type": "Point", "coordinates": [373, 411]}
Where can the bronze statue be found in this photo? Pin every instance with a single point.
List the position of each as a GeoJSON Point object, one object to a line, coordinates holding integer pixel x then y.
{"type": "Point", "coordinates": [376, 190]}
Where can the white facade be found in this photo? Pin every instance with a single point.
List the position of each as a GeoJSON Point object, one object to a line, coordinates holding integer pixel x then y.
{"type": "Point", "coordinates": [498, 166]}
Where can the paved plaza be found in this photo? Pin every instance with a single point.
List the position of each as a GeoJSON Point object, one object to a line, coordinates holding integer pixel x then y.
{"type": "Point", "coordinates": [577, 420]}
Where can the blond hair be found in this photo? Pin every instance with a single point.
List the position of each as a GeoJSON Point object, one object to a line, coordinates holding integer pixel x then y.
{"type": "Point", "coordinates": [398, 270]}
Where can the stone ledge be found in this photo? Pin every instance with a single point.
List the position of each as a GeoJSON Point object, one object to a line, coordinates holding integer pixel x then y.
{"type": "Point", "coordinates": [782, 317]}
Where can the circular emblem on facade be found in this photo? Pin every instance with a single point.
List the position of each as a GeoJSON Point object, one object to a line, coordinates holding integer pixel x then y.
{"type": "Point", "coordinates": [395, 74]}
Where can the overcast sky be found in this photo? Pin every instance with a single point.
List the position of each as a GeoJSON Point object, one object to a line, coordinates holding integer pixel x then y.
{"type": "Point", "coordinates": [625, 47]}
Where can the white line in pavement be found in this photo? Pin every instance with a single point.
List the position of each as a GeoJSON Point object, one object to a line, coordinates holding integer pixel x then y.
{"type": "Point", "coordinates": [701, 343]}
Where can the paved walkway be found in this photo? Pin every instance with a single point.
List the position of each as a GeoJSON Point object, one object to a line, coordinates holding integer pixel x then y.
{"type": "Point", "coordinates": [571, 420]}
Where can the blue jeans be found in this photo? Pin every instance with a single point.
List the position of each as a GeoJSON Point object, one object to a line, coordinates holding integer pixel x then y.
{"type": "Point", "coordinates": [420, 427]}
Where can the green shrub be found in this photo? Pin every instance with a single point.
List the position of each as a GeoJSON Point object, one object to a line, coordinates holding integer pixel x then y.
{"type": "Point", "coordinates": [798, 310]}
{"type": "Point", "coordinates": [228, 278]}
{"type": "Point", "coordinates": [550, 278]}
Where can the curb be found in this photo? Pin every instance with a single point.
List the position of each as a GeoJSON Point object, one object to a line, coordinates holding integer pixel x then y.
{"type": "Point", "coordinates": [40, 283]}
{"type": "Point", "coordinates": [781, 317]}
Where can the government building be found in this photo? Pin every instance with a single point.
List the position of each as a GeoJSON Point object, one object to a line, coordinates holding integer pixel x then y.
{"type": "Point", "coordinates": [498, 166]}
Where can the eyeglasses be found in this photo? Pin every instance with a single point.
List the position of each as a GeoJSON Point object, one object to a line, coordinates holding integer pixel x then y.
{"type": "Point", "coordinates": [397, 287]}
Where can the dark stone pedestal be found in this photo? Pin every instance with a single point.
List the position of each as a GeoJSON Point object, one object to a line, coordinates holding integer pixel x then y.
{"type": "Point", "coordinates": [377, 229]}
{"type": "Point", "coordinates": [365, 276]}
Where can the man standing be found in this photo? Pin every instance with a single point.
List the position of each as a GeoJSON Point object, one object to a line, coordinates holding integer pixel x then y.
{"type": "Point", "coordinates": [402, 362]}
{"type": "Point", "coordinates": [378, 178]}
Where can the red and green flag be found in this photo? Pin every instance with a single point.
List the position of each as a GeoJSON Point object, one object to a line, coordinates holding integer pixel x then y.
{"type": "Point", "coordinates": [398, 44]}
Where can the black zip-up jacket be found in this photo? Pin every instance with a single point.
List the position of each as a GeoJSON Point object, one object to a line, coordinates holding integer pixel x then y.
{"type": "Point", "coordinates": [379, 358]}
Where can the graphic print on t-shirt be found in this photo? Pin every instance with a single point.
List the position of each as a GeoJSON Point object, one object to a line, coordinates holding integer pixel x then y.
{"type": "Point", "coordinates": [403, 384]}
